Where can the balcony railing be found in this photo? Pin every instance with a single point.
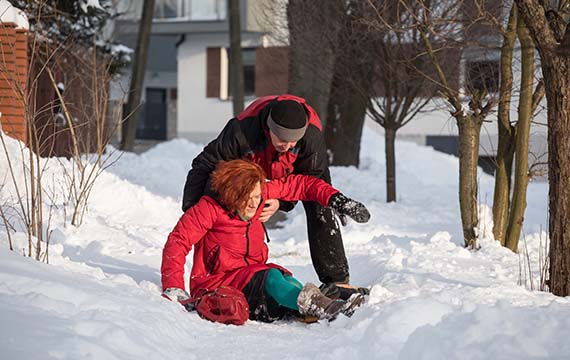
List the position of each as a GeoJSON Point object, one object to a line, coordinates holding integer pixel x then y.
{"type": "Point", "coordinates": [190, 10]}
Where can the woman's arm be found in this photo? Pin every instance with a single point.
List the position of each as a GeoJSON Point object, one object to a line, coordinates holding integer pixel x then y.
{"type": "Point", "coordinates": [191, 227]}
{"type": "Point", "coordinates": [308, 188]}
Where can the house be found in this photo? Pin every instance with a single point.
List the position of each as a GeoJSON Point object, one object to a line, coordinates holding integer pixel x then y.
{"type": "Point", "coordinates": [186, 87]}
{"type": "Point", "coordinates": [187, 80]}
{"type": "Point", "coordinates": [37, 65]}
{"type": "Point", "coordinates": [13, 70]}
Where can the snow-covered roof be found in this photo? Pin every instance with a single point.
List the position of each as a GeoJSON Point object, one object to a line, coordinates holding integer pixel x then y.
{"type": "Point", "coordinates": [11, 14]}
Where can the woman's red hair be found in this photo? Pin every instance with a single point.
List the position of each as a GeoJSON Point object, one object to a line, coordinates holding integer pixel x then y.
{"type": "Point", "coordinates": [234, 181]}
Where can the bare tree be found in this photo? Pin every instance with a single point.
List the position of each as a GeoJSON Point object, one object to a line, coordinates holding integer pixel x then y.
{"type": "Point", "coordinates": [547, 23]}
{"type": "Point", "coordinates": [137, 77]}
{"type": "Point", "coordinates": [236, 61]}
{"type": "Point", "coordinates": [508, 215]}
{"type": "Point", "coordinates": [401, 64]}
{"type": "Point", "coordinates": [85, 130]}
{"type": "Point", "coordinates": [441, 25]}
{"type": "Point", "coordinates": [525, 112]}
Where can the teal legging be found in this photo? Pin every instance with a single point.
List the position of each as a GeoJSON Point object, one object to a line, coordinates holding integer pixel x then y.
{"type": "Point", "coordinates": [283, 289]}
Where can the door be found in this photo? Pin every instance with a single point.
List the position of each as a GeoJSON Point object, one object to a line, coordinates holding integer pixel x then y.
{"type": "Point", "coordinates": [152, 120]}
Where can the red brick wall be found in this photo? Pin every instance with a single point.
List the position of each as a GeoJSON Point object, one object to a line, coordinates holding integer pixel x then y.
{"type": "Point", "coordinates": [13, 80]}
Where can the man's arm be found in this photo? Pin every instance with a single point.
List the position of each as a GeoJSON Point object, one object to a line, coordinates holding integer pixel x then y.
{"type": "Point", "coordinates": [225, 147]}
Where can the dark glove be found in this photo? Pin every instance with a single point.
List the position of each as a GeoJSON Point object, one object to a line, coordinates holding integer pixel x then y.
{"type": "Point", "coordinates": [346, 206]}
{"type": "Point", "coordinates": [179, 295]}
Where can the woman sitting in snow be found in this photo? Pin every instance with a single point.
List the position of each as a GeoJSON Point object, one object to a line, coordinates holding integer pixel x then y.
{"type": "Point", "coordinates": [229, 247]}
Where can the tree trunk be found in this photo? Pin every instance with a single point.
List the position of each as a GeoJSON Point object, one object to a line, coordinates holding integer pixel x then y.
{"type": "Point", "coordinates": [343, 131]}
{"type": "Point", "coordinates": [556, 72]}
{"type": "Point", "coordinates": [390, 137]}
{"type": "Point", "coordinates": [505, 148]}
{"type": "Point", "coordinates": [469, 127]}
{"type": "Point", "coordinates": [525, 110]}
{"type": "Point", "coordinates": [313, 29]}
{"type": "Point", "coordinates": [553, 42]}
{"type": "Point", "coordinates": [137, 78]}
{"type": "Point", "coordinates": [350, 90]}
{"type": "Point", "coordinates": [236, 61]}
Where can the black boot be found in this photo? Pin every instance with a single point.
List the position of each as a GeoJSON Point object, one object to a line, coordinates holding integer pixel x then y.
{"type": "Point", "coordinates": [342, 291]}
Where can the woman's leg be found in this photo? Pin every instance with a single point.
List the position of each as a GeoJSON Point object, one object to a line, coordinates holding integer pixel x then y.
{"type": "Point", "coordinates": [284, 290]}
{"type": "Point", "coordinates": [291, 280]}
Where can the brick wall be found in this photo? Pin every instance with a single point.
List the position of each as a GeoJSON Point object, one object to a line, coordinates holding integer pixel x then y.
{"type": "Point", "coordinates": [13, 80]}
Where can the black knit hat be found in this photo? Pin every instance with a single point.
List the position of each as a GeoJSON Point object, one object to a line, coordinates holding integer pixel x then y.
{"type": "Point", "coordinates": [288, 120]}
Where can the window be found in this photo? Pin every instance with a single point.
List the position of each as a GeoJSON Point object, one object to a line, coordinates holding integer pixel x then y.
{"type": "Point", "coordinates": [206, 9]}
{"type": "Point", "coordinates": [168, 9]}
{"type": "Point", "coordinates": [248, 58]}
{"type": "Point", "coordinates": [218, 72]}
{"type": "Point", "coordinates": [483, 75]}
{"type": "Point", "coordinates": [190, 9]}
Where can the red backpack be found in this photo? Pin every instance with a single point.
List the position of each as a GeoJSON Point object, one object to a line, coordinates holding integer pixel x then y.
{"type": "Point", "coordinates": [225, 304]}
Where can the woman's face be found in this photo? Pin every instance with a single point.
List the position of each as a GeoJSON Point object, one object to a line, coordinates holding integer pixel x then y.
{"type": "Point", "coordinates": [252, 203]}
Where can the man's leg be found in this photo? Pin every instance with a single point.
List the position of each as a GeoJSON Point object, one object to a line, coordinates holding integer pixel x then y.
{"type": "Point", "coordinates": [325, 244]}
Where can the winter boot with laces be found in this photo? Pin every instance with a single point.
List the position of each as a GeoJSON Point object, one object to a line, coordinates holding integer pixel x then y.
{"type": "Point", "coordinates": [312, 302]}
{"type": "Point", "coordinates": [342, 291]}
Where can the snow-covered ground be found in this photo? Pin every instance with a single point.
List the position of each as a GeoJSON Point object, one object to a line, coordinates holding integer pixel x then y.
{"type": "Point", "coordinates": [99, 297]}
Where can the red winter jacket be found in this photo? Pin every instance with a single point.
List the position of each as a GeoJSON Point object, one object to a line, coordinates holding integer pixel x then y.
{"type": "Point", "coordinates": [228, 250]}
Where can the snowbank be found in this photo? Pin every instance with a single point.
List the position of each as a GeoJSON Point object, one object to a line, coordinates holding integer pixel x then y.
{"type": "Point", "coordinates": [430, 298]}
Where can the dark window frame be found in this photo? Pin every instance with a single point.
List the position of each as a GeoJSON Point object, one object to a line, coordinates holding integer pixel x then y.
{"type": "Point", "coordinates": [248, 73]}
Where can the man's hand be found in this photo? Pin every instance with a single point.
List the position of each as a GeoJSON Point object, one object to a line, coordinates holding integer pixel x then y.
{"type": "Point", "coordinates": [271, 206]}
{"type": "Point", "coordinates": [352, 208]}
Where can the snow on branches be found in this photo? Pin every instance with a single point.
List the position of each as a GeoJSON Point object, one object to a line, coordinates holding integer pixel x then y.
{"type": "Point", "coordinates": [83, 22]}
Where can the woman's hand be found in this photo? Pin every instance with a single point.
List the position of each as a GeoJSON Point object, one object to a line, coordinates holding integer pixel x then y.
{"type": "Point", "coordinates": [179, 295]}
{"type": "Point", "coordinates": [270, 207]}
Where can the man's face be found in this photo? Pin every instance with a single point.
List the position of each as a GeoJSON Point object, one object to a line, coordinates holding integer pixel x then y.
{"type": "Point", "coordinates": [281, 145]}
{"type": "Point", "coordinates": [252, 203]}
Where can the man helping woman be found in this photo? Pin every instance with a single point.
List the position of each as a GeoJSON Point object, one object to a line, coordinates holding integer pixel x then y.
{"type": "Point", "coordinates": [229, 247]}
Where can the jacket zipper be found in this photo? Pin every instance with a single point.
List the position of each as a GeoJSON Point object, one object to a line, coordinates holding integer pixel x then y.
{"type": "Point", "coordinates": [247, 242]}
{"type": "Point", "coordinates": [266, 233]}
